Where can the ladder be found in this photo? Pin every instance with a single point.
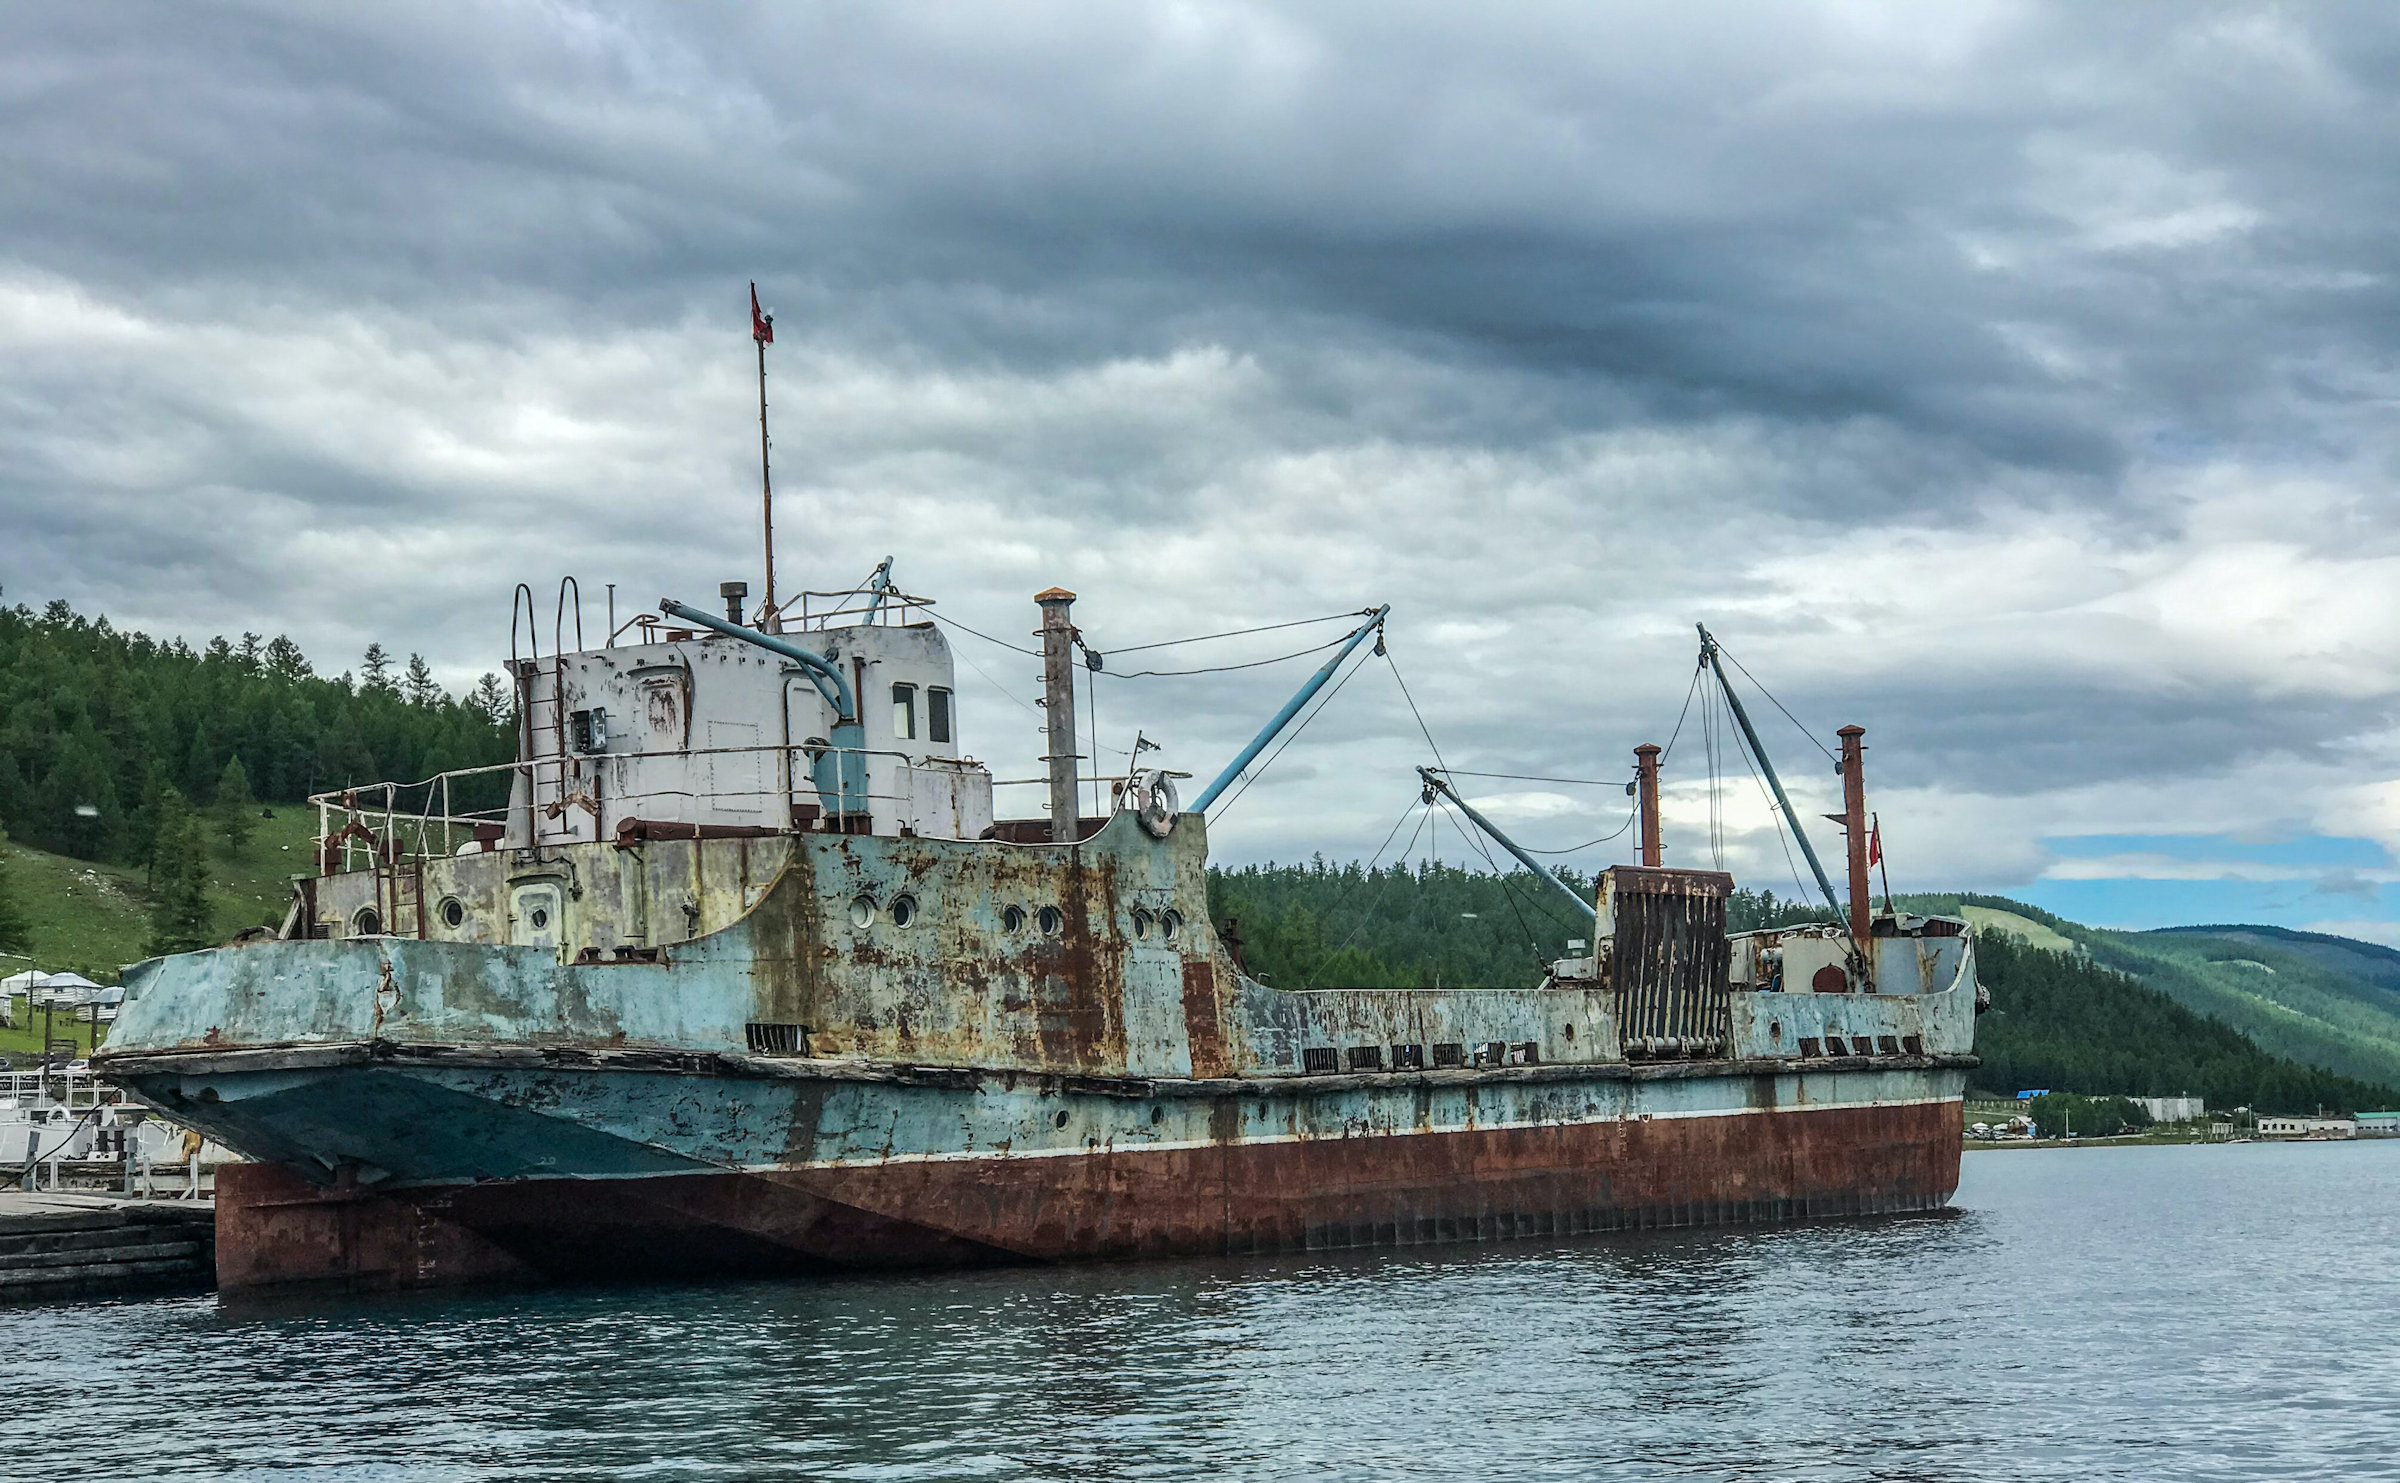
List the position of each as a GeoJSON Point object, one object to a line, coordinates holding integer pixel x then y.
{"type": "Point", "coordinates": [402, 882]}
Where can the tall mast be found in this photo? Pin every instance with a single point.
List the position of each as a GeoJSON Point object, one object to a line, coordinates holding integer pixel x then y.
{"type": "Point", "coordinates": [762, 331]}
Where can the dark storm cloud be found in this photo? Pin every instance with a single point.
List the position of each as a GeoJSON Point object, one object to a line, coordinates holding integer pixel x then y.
{"type": "Point", "coordinates": [1757, 210]}
{"type": "Point", "coordinates": [1560, 324]}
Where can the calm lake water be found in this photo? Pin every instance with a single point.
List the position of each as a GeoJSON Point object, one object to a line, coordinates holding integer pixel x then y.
{"type": "Point", "coordinates": [2193, 1313]}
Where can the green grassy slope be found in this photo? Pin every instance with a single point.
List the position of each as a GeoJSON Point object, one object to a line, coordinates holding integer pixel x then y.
{"type": "Point", "coordinates": [2067, 1021]}
{"type": "Point", "coordinates": [92, 918]}
{"type": "Point", "coordinates": [2307, 996]}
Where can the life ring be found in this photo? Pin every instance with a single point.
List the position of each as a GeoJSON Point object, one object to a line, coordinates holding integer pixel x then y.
{"type": "Point", "coordinates": [1150, 793]}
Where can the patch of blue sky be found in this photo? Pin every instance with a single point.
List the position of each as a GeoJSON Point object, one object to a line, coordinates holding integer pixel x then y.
{"type": "Point", "coordinates": [2136, 905]}
{"type": "Point", "coordinates": [2329, 850]}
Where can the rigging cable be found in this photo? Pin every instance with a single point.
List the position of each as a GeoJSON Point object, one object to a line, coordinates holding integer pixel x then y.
{"type": "Point", "coordinates": [1689, 691]}
{"type": "Point", "coordinates": [948, 621]}
{"type": "Point", "coordinates": [1630, 815]}
{"type": "Point", "coordinates": [1521, 777]}
{"type": "Point", "coordinates": [1397, 866]}
{"type": "Point", "coordinates": [1238, 632]}
{"type": "Point", "coordinates": [1500, 879]}
{"type": "Point", "coordinates": [1712, 739]}
{"type": "Point", "coordinates": [1412, 710]}
{"type": "Point", "coordinates": [1779, 705]}
{"type": "Point", "coordinates": [1775, 816]}
{"type": "Point", "coordinates": [1252, 774]}
{"type": "Point", "coordinates": [1219, 669]}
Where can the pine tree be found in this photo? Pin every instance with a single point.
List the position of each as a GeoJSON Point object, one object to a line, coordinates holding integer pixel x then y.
{"type": "Point", "coordinates": [16, 933]}
{"type": "Point", "coordinates": [237, 811]}
{"type": "Point", "coordinates": [377, 668]}
{"type": "Point", "coordinates": [285, 661]}
{"type": "Point", "coordinates": [491, 697]}
{"type": "Point", "coordinates": [180, 917]}
{"type": "Point", "coordinates": [418, 686]}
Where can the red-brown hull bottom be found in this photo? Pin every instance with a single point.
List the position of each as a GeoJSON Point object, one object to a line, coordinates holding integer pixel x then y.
{"type": "Point", "coordinates": [276, 1230]}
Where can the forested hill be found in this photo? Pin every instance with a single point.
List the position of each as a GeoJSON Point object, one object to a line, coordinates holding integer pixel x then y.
{"type": "Point", "coordinates": [97, 724]}
{"type": "Point", "coordinates": [2059, 1020]}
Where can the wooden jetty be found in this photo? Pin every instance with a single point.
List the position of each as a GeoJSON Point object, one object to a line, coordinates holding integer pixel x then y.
{"type": "Point", "coordinates": [57, 1245]}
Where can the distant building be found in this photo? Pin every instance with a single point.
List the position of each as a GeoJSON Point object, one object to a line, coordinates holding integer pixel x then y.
{"type": "Point", "coordinates": [2307, 1127]}
{"type": "Point", "coordinates": [2379, 1125]}
{"type": "Point", "coordinates": [2173, 1109]}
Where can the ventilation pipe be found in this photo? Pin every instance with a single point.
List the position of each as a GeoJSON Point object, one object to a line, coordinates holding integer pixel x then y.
{"type": "Point", "coordinates": [1645, 770]}
{"type": "Point", "coordinates": [1058, 709]}
{"type": "Point", "coordinates": [1854, 819]}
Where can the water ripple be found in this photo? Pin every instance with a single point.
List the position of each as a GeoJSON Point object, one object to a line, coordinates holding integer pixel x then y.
{"type": "Point", "coordinates": [2206, 1313]}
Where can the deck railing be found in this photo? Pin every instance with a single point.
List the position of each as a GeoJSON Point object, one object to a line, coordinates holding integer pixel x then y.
{"type": "Point", "coordinates": [386, 823]}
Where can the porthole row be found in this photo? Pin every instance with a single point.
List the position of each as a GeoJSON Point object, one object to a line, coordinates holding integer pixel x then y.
{"type": "Point", "coordinates": [905, 911]}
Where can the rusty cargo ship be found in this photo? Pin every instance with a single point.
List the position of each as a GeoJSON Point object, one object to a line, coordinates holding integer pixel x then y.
{"type": "Point", "coordinates": [746, 976]}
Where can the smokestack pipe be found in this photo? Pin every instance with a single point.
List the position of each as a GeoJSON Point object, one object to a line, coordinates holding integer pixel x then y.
{"type": "Point", "coordinates": [1645, 767]}
{"type": "Point", "coordinates": [1058, 709]}
{"type": "Point", "coordinates": [1854, 820]}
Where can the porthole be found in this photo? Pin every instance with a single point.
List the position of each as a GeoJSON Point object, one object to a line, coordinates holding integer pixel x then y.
{"type": "Point", "coordinates": [904, 910]}
{"type": "Point", "coordinates": [540, 918]}
{"type": "Point", "coordinates": [1059, 1121]}
{"type": "Point", "coordinates": [1157, 1115]}
{"type": "Point", "coordinates": [1012, 919]}
{"type": "Point", "coordinates": [1170, 924]}
{"type": "Point", "coordinates": [452, 911]}
{"type": "Point", "coordinates": [1141, 922]}
{"type": "Point", "coordinates": [862, 912]}
{"type": "Point", "coordinates": [368, 923]}
{"type": "Point", "coordinates": [1051, 920]}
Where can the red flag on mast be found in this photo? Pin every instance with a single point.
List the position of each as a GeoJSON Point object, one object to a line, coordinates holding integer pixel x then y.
{"type": "Point", "coordinates": [762, 326]}
{"type": "Point", "coordinates": [1875, 843]}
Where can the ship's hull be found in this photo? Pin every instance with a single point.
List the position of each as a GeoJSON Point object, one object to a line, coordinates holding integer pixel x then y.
{"type": "Point", "coordinates": [498, 1172]}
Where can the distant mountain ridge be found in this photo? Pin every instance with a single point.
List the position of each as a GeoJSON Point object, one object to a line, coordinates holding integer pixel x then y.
{"type": "Point", "coordinates": [2311, 997]}
{"type": "Point", "coordinates": [2372, 960]}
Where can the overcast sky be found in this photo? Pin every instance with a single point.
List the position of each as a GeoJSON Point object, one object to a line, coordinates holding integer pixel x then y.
{"type": "Point", "coordinates": [2015, 380]}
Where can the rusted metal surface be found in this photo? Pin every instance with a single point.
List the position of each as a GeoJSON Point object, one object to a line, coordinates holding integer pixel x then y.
{"type": "Point", "coordinates": [1058, 706]}
{"type": "Point", "coordinates": [1224, 1194]}
{"type": "Point", "coordinates": [905, 1035]}
{"type": "Point", "coordinates": [1854, 825]}
{"type": "Point", "coordinates": [1645, 776]}
{"type": "Point", "coordinates": [1668, 957]}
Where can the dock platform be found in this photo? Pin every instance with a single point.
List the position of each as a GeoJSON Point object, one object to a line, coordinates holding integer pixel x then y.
{"type": "Point", "coordinates": [65, 1245]}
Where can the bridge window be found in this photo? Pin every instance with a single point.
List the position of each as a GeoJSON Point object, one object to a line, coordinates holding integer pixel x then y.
{"type": "Point", "coordinates": [904, 712]}
{"type": "Point", "coordinates": [937, 714]}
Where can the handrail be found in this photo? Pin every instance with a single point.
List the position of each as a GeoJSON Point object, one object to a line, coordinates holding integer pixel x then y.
{"type": "Point", "coordinates": [397, 821]}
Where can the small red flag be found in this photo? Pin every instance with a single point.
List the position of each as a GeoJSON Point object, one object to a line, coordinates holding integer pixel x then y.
{"type": "Point", "coordinates": [762, 326]}
{"type": "Point", "coordinates": [1875, 844]}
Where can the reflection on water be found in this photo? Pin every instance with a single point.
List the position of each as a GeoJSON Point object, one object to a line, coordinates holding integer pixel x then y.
{"type": "Point", "coordinates": [2153, 1313]}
